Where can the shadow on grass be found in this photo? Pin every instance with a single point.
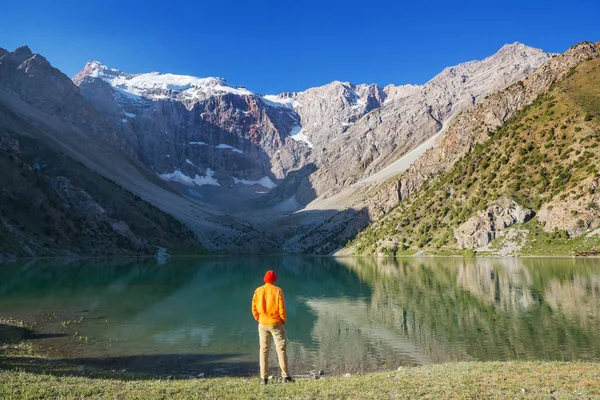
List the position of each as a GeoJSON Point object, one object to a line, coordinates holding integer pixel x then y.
{"type": "Point", "coordinates": [177, 366]}
{"type": "Point", "coordinates": [12, 333]}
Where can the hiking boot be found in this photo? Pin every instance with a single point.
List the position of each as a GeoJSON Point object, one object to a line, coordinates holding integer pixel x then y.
{"type": "Point", "coordinates": [289, 379]}
{"type": "Point", "coordinates": [264, 381]}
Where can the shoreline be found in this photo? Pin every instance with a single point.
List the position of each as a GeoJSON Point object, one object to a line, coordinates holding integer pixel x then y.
{"type": "Point", "coordinates": [220, 255]}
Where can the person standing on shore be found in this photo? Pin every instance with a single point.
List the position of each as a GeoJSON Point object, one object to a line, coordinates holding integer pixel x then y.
{"type": "Point", "coordinates": [268, 309]}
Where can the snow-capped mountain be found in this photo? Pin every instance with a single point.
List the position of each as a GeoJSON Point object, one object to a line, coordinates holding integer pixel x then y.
{"type": "Point", "coordinates": [197, 131]}
{"type": "Point", "coordinates": [158, 86]}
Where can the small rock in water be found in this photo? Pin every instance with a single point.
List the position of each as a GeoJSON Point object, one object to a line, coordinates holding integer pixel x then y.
{"type": "Point", "coordinates": [201, 375]}
{"type": "Point", "coordinates": [348, 375]}
{"type": "Point", "coordinates": [321, 372]}
{"type": "Point", "coordinates": [170, 377]}
{"type": "Point", "coordinates": [124, 370]}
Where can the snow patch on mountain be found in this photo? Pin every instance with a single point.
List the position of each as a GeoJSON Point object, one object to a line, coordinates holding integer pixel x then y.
{"type": "Point", "coordinates": [298, 135]}
{"type": "Point", "coordinates": [278, 101]}
{"type": "Point", "coordinates": [206, 180]}
{"type": "Point", "coordinates": [179, 177]}
{"type": "Point", "coordinates": [265, 182]}
{"type": "Point", "coordinates": [165, 86]}
{"type": "Point", "coordinates": [228, 147]}
{"type": "Point", "coordinates": [222, 146]}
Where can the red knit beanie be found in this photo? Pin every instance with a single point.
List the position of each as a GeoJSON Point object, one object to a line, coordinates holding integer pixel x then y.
{"type": "Point", "coordinates": [270, 277]}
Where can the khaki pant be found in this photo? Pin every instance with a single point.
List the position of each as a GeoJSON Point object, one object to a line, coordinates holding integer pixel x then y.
{"type": "Point", "coordinates": [278, 332]}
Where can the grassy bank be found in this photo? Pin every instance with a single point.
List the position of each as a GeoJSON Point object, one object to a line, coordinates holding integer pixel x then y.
{"type": "Point", "coordinates": [455, 380]}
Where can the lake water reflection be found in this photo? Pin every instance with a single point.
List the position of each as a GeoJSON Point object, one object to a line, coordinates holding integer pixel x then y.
{"type": "Point", "coordinates": [345, 315]}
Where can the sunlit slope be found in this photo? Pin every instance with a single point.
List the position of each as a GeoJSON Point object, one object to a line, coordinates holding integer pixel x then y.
{"type": "Point", "coordinates": [545, 158]}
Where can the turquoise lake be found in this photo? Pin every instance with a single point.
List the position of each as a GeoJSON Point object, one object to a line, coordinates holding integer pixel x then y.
{"type": "Point", "coordinates": [192, 315]}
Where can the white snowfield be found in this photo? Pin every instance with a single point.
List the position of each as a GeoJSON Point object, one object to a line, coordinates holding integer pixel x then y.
{"type": "Point", "coordinates": [298, 135]}
{"type": "Point", "coordinates": [277, 101]}
{"type": "Point", "coordinates": [265, 182]}
{"type": "Point", "coordinates": [180, 177]}
{"type": "Point", "coordinates": [159, 86]}
{"type": "Point", "coordinates": [221, 146]}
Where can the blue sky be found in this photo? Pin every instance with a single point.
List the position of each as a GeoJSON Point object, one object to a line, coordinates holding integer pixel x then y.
{"type": "Point", "coordinates": [275, 46]}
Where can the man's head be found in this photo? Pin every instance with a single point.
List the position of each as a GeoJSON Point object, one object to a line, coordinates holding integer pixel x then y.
{"type": "Point", "coordinates": [270, 277]}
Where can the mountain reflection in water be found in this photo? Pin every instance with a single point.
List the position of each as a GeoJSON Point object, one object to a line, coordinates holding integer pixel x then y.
{"type": "Point", "coordinates": [344, 315]}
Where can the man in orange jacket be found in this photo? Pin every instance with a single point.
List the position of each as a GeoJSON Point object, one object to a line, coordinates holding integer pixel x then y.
{"type": "Point", "coordinates": [268, 308]}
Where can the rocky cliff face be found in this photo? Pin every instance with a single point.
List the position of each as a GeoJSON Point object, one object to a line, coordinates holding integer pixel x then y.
{"type": "Point", "coordinates": [31, 79]}
{"type": "Point", "coordinates": [196, 131]}
{"type": "Point", "coordinates": [412, 114]}
{"type": "Point", "coordinates": [485, 226]}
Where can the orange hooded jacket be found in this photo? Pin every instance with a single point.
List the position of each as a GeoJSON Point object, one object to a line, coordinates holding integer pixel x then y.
{"type": "Point", "coordinates": [268, 305]}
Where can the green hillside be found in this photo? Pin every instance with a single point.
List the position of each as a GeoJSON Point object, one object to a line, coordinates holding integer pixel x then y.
{"type": "Point", "coordinates": [541, 155]}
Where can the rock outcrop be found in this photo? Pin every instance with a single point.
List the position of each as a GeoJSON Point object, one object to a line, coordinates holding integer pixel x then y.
{"type": "Point", "coordinates": [485, 226]}
{"type": "Point", "coordinates": [574, 214]}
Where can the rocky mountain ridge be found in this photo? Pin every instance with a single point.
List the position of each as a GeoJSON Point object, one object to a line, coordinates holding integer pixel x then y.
{"type": "Point", "coordinates": [201, 131]}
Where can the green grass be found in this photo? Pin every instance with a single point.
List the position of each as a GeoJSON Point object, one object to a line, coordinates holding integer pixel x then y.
{"type": "Point", "coordinates": [477, 380]}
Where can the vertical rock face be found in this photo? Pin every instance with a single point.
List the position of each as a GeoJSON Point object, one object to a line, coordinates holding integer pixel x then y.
{"type": "Point", "coordinates": [195, 127]}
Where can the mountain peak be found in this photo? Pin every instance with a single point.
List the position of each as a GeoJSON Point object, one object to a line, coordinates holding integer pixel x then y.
{"type": "Point", "coordinates": [95, 69]}
{"type": "Point", "coordinates": [23, 50]}
{"type": "Point", "coordinates": [518, 47]}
